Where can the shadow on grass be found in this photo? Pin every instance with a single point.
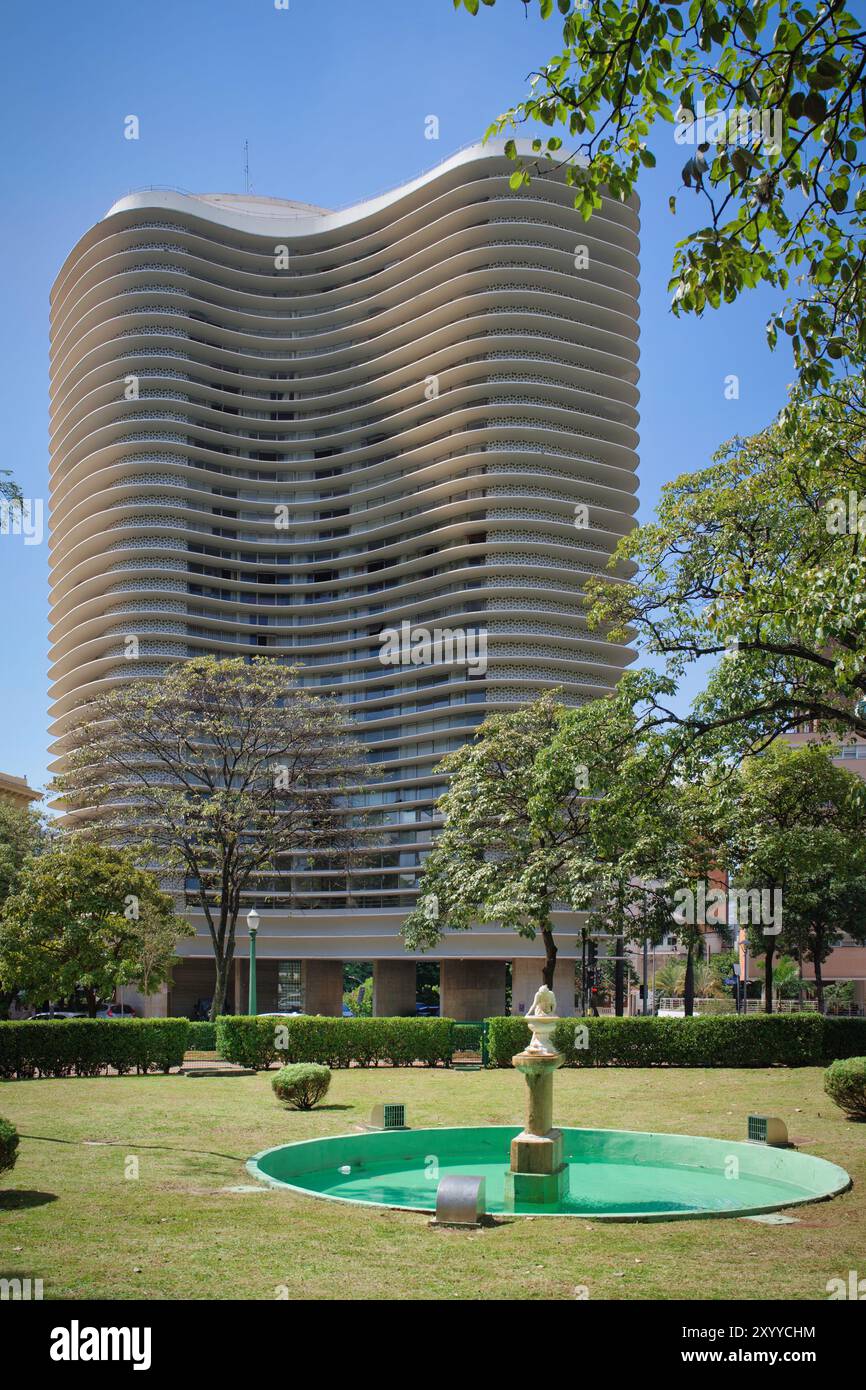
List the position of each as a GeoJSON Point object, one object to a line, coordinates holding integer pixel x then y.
{"type": "Point", "coordinates": [131, 1144]}
{"type": "Point", "coordinates": [16, 1199]}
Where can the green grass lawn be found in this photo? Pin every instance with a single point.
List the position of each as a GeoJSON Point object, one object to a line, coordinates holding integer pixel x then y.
{"type": "Point", "coordinates": [70, 1215]}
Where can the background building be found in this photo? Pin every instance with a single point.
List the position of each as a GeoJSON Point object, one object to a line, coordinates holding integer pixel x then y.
{"type": "Point", "coordinates": [282, 430]}
{"type": "Point", "coordinates": [16, 790]}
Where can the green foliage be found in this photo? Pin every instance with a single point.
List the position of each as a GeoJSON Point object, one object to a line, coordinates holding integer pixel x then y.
{"type": "Point", "coordinates": [22, 834]}
{"type": "Point", "coordinates": [336, 1042]}
{"type": "Point", "coordinates": [839, 995]}
{"type": "Point", "coordinates": [8, 1145]}
{"type": "Point", "coordinates": [535, 804]}
{"type": "Point", "coordinates": [843, 1037]}
{"type": "Point", "coordinates": [757, 562]}
{"type": "Point", "coordinates": [779, 164]}
{"type": "Point", "coordinates": [302, 1085]}
{"type": "Point", "coordinates": [468, 1036]}
{"type": "Point", "coordinates": [91, 1047]}
{"type": "Point", "coordinates": [360, 999]}
{"type": "Point", "coordinates": [217, 771]}
{"type": "Point", "coordinates": [9, 491]}
{"type": "Point", "coordinates": [797, 824]}
{"type": "Point", "coordinates": [845, 1083]}
{"type": "Point", "coordinates": [786, 978]}
{"type": "Point", "coordinates": [793, 1040]}
{"type": "Point", "coordinates": [202, 1037]}
{"type": "Point", "coordinates": [86, 917]}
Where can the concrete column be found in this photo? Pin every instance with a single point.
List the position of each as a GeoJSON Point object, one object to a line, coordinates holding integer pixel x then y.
{"type": "Point", "coordinates": [526, 979]}
{"type": "Point", "coordinates": [147, 1005]}
{"type": "Point", "coordinates": [322, 984]}
{"type": "Point", "coordinates": [394, 992]}
{"type": "Point", "coordinates": [472, 989]}
{"type": "Point", "coordinates": [154, 1005]}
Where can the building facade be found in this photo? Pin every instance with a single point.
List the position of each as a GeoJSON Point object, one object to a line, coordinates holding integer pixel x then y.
{"type": "Point", "coordinates": [16, 791]}
{"type": "Point", "coordinates": [284, 431]}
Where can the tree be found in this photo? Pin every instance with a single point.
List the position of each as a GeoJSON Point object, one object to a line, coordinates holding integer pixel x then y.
{"type": "Point", "coordinates": [85, 917]}
{"type": "Point", "coordinates": [798, 828]}
{"type": "Point", "coordinates": [23, 832]}
{"type": "Point", "coordinates": [688, 865]}
{"type": "Point", "coordinates": [826, 899]}
{"type": "Point", "coordinates": [670, 977]}
{"type": "Point", "coordinates": [9, 490]}
{"type": "Point", "coordinates": [626, 854]}
{"type": "Point", "coordinates": [759, 561]}
{"type": "Point", "coordinates": [359, 1001]}
{"type": "Point", "coordinates": [518, 813]}
{"type": "Point", "coordinates": [217, 771]}
{"type": "Point", "coordinates": [786, 978]}
{"type": "Point", "coordinates": [768, 102]}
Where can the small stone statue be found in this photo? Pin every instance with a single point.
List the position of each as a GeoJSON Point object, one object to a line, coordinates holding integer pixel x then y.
{"type": "Point", "coordinates": [544, 1003]}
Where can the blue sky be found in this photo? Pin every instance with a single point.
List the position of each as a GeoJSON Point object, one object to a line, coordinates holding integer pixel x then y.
{"type": "Point", "coordinates": [332, 96]}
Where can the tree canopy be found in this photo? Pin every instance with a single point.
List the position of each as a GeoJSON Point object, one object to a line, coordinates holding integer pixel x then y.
{"type": "Point", "coordinates": [23, 832]}
{"type": "Point", "coordinates": [218, 771]}
{"type": "Point", "coordinates": [758, 561]}
{"type": "Point", "coordinates": [522, 816]}
{"type": "Point", "coordinates": [796, 825]}
{"type": "Point", "coordinates": [769, 104]}
{"type": "Point", "coordinates": [86, 917]}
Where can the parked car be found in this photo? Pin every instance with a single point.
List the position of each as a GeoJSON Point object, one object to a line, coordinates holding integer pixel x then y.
{"type": "Point", "coordinates": [427, 1010]}
{"type": "Point", "coordinates": [281, 1013]}
{"type": "Point", "coordinates": [59, 1013]}
{"type": "Point", "coordinates": [117, 1011]}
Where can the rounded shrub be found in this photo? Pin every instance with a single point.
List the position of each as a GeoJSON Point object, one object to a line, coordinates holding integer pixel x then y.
{"type": "Point", "coordinates": [845, 1083]}
{"type": "Point", "coordinates": [8, 1145]}
{"type": "Point", "coordinates": [303, 1085]}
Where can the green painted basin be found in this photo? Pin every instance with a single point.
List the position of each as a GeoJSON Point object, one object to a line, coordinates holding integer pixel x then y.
{"type": "Point", "coordinates": [613, 1174]}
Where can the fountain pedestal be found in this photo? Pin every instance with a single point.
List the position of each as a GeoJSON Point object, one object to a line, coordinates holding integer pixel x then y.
{"type": "Point", "coordinates": [537, 1174]}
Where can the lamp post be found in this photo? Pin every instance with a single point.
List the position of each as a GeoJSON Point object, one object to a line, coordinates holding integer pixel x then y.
{"type": "Point", "coordinates": [252, 928]}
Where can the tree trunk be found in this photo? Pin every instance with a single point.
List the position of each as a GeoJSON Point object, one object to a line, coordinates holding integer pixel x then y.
{"type": "Point", "coordinates": [619, 979]}
{"type": "Point", "coordinates": [550, 956]}
{"type": "Point", "coordinates": [819, 984]}
{"type": "Point", "coordinates": [769, 952]}
{"type": "Point", "coordinates": [689, 983]}
{"type": "Point", "coordinates": [218, 1003]}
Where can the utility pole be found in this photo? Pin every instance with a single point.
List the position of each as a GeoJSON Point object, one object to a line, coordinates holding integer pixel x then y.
{"type": "Point", "coordinates": [645, 1009]}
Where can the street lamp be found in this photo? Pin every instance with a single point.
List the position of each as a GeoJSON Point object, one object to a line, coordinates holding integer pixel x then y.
{"type": "Point", "coordinates": [252, 928]}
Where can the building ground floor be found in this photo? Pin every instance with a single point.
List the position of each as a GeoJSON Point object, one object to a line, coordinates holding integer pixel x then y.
{"type": "Point", "coordinates": [302, 965]}
{"type": "Point", "coordinates": [468, 989]}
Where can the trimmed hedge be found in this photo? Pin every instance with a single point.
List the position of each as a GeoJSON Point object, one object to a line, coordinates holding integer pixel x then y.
{"type": "Point", "coordinates": [91, 1046]}
{"type": "Point", "coordinates": [844, 1037]}
{"type": "Point", "coordinates": [845, 1083]}
{"type": "Point", "coordinates": [335, 1042]}
{"type": "Point", "coordinates": [202, 1037]}
{"type": "Point", "coordinates": [467, 1037]}
{"type": "Point", "coordinates": [303, 1085]}
{"type": "Point", "coordinates": [8, 1145]}
{"type": "Point", "coordinates": [792, 1040]}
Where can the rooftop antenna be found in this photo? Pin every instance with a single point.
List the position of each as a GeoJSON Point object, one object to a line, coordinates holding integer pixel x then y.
{"type": "Point", "coordinates": [246, 166]}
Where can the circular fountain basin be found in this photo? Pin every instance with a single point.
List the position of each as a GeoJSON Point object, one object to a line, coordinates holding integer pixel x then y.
{"type": "Point", "coordinates": [613, 1175]}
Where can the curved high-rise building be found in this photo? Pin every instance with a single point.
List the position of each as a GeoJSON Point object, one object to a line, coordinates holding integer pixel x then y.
{"type": "Point", "coordinates": [307, 434]}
